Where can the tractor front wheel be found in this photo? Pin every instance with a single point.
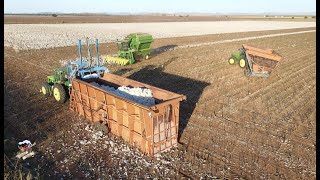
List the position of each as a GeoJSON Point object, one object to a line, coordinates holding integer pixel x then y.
{"type": "Point", "coordinates": [242, 63]}
{"type": "Point", "coordinates": [59, 93]}
{"type": "Point", "coordinates": [231, 61]}
{"type": "Point", "coordinates": [45, 89]}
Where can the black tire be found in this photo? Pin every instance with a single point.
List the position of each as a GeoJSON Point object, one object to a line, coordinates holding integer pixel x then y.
{"type": "Point", "coordinates": [59, 93]}
{"type": "Point", "coordinates": [104, 128]}
{"type": "Point", "coordinates": [247, 73]}
{"type": "Point", "coordinates": [242, 63]}
{"type": "Point", "coordinates": [45, 89]}
{"type": "Point", "coordinates": [232, 60]}
{"type": "Point", "coordinates": [136, 57]}
{"type": "Point", "coordinates": [98, 126]}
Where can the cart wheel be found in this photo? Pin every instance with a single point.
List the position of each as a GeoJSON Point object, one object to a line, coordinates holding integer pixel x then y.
{"type": "Point", "coordinates": [96, 126]}
{"type": "Point", "coordinates": [104, 128]}
{"type": "Point", "coordinates": [59, 93]}
{"type": "Point", "coordinates": [242, 63]}
{"type": "Point", "coordinates": [45, 89]}
{"type": "Point", "coordinates": [246, 72]}
{"type": "Point", "coordinates": [231, 61]}
{"type": "Point", "coordinates": [101, 127]}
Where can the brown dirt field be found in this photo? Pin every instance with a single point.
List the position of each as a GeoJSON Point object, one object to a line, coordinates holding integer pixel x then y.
{"type": "Point", "coordinates": [33, 19]}
{"type": "Point", "coordinates": [231, 126]}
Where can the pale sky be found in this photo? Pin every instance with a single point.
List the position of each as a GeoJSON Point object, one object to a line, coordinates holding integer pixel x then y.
{"type": "Point", "coordinates": [159, 6]}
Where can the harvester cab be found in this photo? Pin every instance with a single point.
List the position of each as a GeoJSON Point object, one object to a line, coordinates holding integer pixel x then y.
{"type": "Point", "coordinates": [59, 84]}
{"type": "Point", "coordinates": [131, 48]}
{"type": "Point", "coordinates": [257, 62]}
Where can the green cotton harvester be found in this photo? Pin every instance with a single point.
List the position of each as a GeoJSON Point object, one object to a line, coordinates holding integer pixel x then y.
{"type": "Point", "coordinates": [131, 48]}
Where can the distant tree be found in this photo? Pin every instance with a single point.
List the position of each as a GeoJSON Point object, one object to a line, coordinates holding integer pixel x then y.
{"type": "Point", "coordinates": [54, 15]}
{"type": "Point", "coordinates": [306, 17]}
{"type": "Point", "coordinates": [292, 17]}
{"type": "Point", "coordinates": [313, 17]}
{"type": "Point", "coordinates": [180, 16]}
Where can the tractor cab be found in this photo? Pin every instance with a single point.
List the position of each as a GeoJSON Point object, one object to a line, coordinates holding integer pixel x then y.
{"type": "Point", "coordinates": [60, 77]}
{"type": "Point", "coordinates": [61, 74]}
{"type": "Point", "coordinates": [123, 45]}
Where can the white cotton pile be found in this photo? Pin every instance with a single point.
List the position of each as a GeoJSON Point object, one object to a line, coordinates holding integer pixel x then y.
{"type": "Point", "coordinates": [94, 75]}
{"type": "Point", "coordinates": [139, 95]}
{"type": "Point", "coordinates": [24, 142]}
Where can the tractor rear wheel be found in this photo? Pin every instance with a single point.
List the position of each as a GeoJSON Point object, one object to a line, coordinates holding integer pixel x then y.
{"type": "Point", "coordinates": [59, 93]}
{"type": "Point", "coordinates": [45, 89]}
{"type": "Point", "coordinates": [242, 63]}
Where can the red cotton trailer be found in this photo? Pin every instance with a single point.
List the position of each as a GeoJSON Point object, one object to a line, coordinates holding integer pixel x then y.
{"type": "Point", "coordinates": [152, 129]}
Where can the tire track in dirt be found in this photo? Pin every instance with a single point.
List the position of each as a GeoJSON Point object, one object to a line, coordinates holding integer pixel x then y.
{"type": "Point", "coordinates": [213, 131]}
{"type": "Point", "coordinates": [235, 73]}
{"type": "Point", "coordinates": [265, 89]}
{"type": "Point", "coordinates": [228, 40]}
{"type": "Point", "coordinates": [207, 68]}
{"type": "Point", "coordinates": [233, 138]}
{"type": "Point", "coordinates": [236, 91]}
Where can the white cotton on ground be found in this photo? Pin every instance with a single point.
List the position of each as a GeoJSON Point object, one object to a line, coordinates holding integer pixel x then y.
{"type": "Point", "coordinates": [24, 142]}
{"type": "Point", "coordinates": [38, 36]}
{"type": "Point", "coordinates": [139, 95]}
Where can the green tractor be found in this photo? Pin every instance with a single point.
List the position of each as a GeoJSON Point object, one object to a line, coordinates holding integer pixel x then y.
{"type": "Point", "coordinates": [258, 62]}
{"type": "Point", "coordinates": [238, 58]}
{"type": "Point", "coordinates": [57, 85]}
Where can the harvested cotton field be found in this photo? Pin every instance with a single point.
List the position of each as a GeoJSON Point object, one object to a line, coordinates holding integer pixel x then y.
{"type": "Point", "coordinates": [230, 127]}
{"type": "Point", "coordinates": [37, 36]}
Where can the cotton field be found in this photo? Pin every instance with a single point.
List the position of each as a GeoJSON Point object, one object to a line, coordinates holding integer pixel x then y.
{"type": "Point", "coordinates": [37, 36]}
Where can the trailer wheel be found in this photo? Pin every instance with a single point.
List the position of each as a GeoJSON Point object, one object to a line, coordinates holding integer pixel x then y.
{"type": "Point", "coordinates": [45, 89]}
{"type": "Point", "coordinates": [98, 126]}
{"type": "Point", "coordinates": [231, 61]}
{"type": "Point", "coordinates": [104, 128]}
{"type": "Point", "coordinates": [59, 93]}
{"type": "Point", "coordinates": [247, 72]}
{"type": "Point", "coordinates": [242, 63]}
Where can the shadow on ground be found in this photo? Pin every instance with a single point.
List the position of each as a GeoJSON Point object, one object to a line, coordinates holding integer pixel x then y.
{"type": "Point", "coordinates": [159, 50]}
{"type": "Point", "coordinates": [24, 121]}
{"type": "Point", "coordinates": [191, 88]}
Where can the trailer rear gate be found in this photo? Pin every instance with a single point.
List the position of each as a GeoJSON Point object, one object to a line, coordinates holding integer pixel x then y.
{"type": "Point", "coordinates": [152, 129]}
